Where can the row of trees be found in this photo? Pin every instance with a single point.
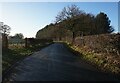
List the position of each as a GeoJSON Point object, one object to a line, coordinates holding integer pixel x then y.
{"type": "Point", "coordinates": [72, 21]}
{"type": "Point", "coordinates": [17, 35]}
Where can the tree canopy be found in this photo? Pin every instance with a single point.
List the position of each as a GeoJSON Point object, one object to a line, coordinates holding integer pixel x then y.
{"type": "Point", "coordinates": [5, 29]}
{"type": "Point", "coordinates": [72, 22]}
{"type": "Point", "coordinates": [19, 35]}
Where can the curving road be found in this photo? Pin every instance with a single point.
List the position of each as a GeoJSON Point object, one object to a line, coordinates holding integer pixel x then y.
{"type": "Point", "coordinates": [56, 63]}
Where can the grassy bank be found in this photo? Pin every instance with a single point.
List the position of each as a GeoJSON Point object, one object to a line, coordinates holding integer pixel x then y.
{"type": "Point", "coordinates": [16, 53]}
{"type": "Point", "coordinates": [102, 62]}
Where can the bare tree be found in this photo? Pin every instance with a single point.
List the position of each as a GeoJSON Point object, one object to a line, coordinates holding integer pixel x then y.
{"type": "Point", "coordinates": [67, 16]}
{"type": "Point", "coordinates": [4, 30]}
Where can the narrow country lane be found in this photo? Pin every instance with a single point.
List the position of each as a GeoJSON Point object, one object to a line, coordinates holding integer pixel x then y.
{"type": "Point", "coordinates": [56, 63]}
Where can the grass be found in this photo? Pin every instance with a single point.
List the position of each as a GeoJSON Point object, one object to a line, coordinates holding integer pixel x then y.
{"type": "Point", "coordinates": [16, 53]}
{"type": "Point", "coordinates": [101, 61]}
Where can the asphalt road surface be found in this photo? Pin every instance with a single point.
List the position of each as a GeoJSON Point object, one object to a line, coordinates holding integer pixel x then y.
{"type": "Point", "coordinates": [56, 63]}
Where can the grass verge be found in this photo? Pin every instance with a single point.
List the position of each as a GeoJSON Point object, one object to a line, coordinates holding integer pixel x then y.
{"type": "Point", "coordinates": [100, 61]}
{"type": "Point", "coordinates": [16, 53]}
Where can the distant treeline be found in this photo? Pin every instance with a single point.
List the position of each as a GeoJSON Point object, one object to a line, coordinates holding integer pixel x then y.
{"type": "Point", "coordinates": [71, 22]}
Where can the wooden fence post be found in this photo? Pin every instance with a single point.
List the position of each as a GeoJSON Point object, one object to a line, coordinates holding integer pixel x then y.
{"type": "Point", "coordinates": [4, 41]}
{"type": "Point", "coordinates": [26, 42]}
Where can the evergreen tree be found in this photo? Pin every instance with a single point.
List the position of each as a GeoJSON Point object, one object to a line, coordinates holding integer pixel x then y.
{"type": "Point", "coordinates": [102, 23]}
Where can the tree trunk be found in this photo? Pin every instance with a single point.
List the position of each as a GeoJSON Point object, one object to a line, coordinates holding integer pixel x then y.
{"type": "Point", "coordinates": [26, 43]}
{"type": "Point", "coordinates": [73, 37]}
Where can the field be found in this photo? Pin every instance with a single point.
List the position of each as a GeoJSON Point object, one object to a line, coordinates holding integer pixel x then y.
{"type": "Point", "coordinates": [17, 52]}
